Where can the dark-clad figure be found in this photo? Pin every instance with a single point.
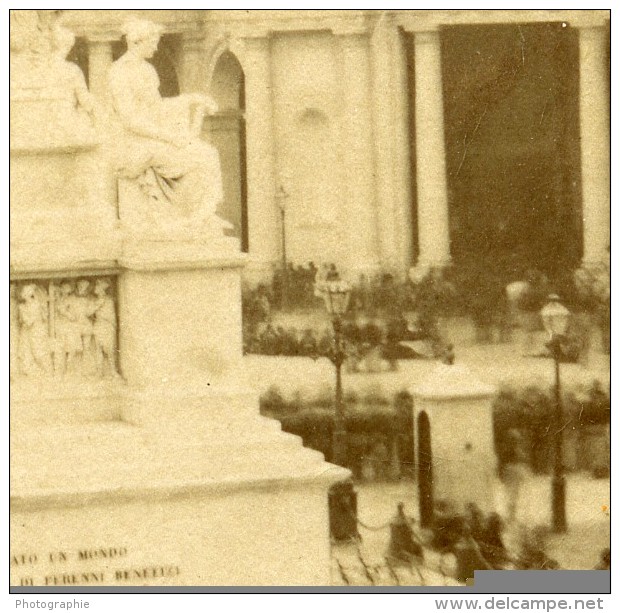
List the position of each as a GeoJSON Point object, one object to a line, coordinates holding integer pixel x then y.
{"type": "Point", "coordinates": [469, 558]}
{"type": "Point", "coordinates": [403, 545]}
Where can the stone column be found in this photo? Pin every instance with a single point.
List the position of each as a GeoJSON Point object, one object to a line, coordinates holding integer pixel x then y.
{"type": "Point", "coordinates": [433, 218]}
{"type": "Point", "coordinates": [263, 216]}
{"type": "Point", "coordinates": [382, 84]}
{"type": "Point", "coordinates": [391, 138]}
{"type": "Point", "coordinates": [192, 63]}
{"type": "Point", "coordinates": [99, 61]}
{"type": "Point", "coordinates": [402, 150]}
{"type": "Point", "coordinates": [360, 218]}
{"type": "Point", "coordinates": [594, 123]}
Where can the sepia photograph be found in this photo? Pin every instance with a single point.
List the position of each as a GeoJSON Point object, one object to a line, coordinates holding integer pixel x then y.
{"type": "Point", "coordinates": [308, 297]}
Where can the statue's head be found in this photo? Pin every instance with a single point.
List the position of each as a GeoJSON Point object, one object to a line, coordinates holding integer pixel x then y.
{"type": "Point", "coordinates": [66, 288]}
{"type": "Point", "coordinates": [101, 287]}
{"type": "Point", "coordinates": [142, 36]}
{"type": "Point", "coordinates": [28, 292]}
{"type": "Point", "coordinates": [82, 287]}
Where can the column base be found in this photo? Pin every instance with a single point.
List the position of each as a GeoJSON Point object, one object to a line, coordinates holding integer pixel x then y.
{"type": "Point", "coordinates": [423, 267]}
{"type": "Point", "coordinates": [594, 263]}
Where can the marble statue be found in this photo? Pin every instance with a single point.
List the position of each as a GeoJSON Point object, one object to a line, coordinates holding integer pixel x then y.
{"type": "Point", "coordinates": [50, 102]}
{"type": "Point", "coordinates": [158, 139]}
{"type": "Point", "coordinates": [104, 328]}
{"type": "Point", "coordinates": [33, 345]}
{"type": "Point", "coordinates": [31, 44]}
{"type": "Point", "coordinates": [67, 77]}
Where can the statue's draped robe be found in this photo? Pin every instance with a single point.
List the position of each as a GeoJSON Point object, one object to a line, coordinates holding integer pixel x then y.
{"type": "Point", "coordinates": [185, 181]}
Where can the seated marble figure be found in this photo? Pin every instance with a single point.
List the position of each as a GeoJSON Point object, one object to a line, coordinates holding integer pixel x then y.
{"type": "Point", "coordinates": [157, 140]}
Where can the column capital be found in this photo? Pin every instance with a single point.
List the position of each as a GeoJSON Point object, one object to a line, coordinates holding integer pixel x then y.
{"type": "Point", "coordinates": [419, 26]}
{"type": "Point", "coordinates": [106, 37]}
{"type": "Point", "coordinates": [422, 37]}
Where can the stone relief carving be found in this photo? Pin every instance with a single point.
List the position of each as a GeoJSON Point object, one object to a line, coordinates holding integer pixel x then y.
{"type": "Point", "coordinates": [65, 328]}
{"type": "Point", "coordinates": [157, 141]}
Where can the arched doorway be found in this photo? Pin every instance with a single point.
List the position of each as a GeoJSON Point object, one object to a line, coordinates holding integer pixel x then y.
{"type": "Point", "coordinates": [226, 131]}
{"type": "Point", "coordinates": [425, 470]}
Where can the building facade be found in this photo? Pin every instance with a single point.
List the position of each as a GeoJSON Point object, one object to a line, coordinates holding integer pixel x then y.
{"type": "Point", "coordinates": [384, 140]}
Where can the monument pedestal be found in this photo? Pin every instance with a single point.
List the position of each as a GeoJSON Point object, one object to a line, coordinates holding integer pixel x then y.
{"type": "Point", "coordinates": [138, 454]}
{"type": "Point", "coordinates": [245, 506]}
{"type": "Point", "coordinates": [166, 474]}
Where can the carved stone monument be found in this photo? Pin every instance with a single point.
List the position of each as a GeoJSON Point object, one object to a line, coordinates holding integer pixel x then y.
{"type": "Point", "coordinates": [138, 454]}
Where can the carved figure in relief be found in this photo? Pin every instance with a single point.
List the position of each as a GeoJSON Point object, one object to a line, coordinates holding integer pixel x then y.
{"type": "Point", "coordinates": [68, 329]}
{"type": "Point", "coordinates": [85, 307]}
{"type": "Point", "coordinates": [159, 138]}
{"type": "Point", "coordinates": [33, 344]}
{"type": "Point", "coordinates": [13, 331]}
{"type": "Point", "coordinates": [104, 328]}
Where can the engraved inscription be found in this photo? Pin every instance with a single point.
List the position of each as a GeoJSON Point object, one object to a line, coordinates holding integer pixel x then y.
{"type": "Point", "coordinates": [112, 561]}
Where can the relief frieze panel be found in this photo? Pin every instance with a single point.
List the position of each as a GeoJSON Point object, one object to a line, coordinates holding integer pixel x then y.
{"type": "Point", "coordinates": [64, 328]}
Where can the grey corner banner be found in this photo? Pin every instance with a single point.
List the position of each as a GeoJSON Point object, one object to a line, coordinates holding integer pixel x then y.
{"type": "Point", "coordinates": [486, 582]}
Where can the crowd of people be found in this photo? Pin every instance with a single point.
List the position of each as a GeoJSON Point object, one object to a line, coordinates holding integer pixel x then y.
{"type": "Point", "coordinates": [475, 540]}
{"type": "Point", "coordinates": [385, 312]}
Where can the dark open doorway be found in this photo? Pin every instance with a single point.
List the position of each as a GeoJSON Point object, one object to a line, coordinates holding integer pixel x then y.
{"type": "Point", "coordinates": [511, 97]}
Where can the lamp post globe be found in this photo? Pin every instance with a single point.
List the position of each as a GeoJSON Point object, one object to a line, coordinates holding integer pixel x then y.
{"type": "Point", "coordinates": [555, 317]}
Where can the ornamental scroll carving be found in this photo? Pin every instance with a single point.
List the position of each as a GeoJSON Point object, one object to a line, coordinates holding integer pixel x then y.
{"type": "Point", "coordinates": [64, 328]}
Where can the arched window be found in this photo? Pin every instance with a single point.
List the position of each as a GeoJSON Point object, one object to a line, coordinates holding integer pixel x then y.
{"type": "Point", "coordinates": [226, 131]}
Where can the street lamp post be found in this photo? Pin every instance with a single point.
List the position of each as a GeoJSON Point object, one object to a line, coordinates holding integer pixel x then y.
{"type": "Point", "coordinates": [336, 294]}
{"type": "Point", "coordinates": [281, 198]}
{"type": "Point", "coordinates": [555, 317]}
{"type": "Point", "coordinates": [342, 497]}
